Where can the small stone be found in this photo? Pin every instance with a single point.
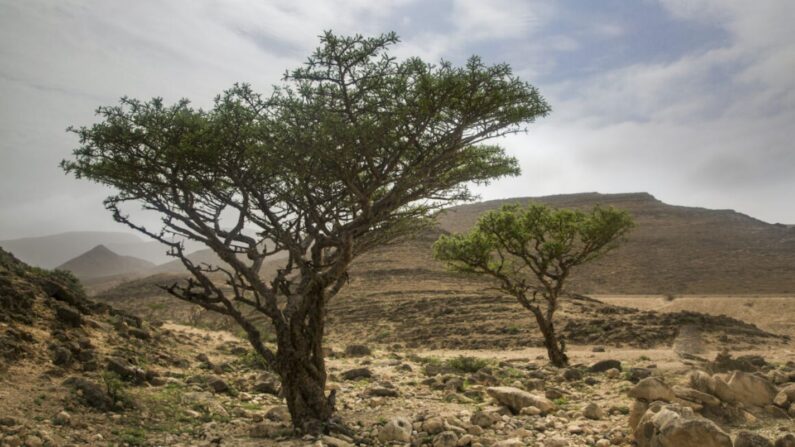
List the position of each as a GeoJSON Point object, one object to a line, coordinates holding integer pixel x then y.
{"type": "Point", "coordinates": [33, 441]}
{"type": "Point", "coordinates": [530, 411]}
{"type": "Point", "coordinates": [593, 411]}
{"type": "Point", "coordinates": [62, 418]}
{"type": "Point", "coordinates": [575, 429]}
{"type": "Point", "coordinates": [445, 439]}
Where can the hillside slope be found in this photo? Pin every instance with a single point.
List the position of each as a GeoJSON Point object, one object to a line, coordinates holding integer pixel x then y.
{"type": "Point", "coordinates": [673, 249]}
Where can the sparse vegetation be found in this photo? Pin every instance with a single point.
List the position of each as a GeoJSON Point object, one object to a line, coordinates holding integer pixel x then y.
{"type": "Point", "coordinates": [466, 364]}
{"type": "Point", "coordinates": [531, 251]}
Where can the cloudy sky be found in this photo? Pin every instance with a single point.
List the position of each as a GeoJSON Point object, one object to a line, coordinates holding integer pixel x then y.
{"type": "Point", "coordinates": [690, 100]}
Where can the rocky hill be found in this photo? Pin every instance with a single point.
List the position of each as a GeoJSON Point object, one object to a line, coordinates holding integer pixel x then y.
{"type": "Point", "coordinates": [673, 249]}
{"type": "Point", "coordinates": [101, 262]}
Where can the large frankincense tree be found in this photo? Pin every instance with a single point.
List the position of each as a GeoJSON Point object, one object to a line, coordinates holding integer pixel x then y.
{"type": "Point", "coordinates": [531, 251]}
{"type": "Point", "coordinates": [353, 150]}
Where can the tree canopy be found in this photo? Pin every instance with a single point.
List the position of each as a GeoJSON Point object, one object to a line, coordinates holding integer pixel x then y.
{"type": "Point", "coordinates": [353, 149]}
{"type": "Point", "coordinates": [531, 251]}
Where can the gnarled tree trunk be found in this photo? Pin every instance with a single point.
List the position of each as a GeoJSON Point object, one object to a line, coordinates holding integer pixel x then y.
{"type": "Point", "coordinates": [555, 347]}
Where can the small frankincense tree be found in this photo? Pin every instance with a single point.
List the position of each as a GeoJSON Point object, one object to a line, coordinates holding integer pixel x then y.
{"type": "Point", "coordinates": [530, 251]}
{"type": "Point", "coordinates": [353, 150]}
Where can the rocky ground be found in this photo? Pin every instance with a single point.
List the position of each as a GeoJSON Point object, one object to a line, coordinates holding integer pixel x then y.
{"type": "Point", "coordinates": [75, 373]}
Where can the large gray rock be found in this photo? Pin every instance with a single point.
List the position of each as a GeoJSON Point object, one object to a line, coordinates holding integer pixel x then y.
{"type": "Point", "coordinates": [651, 389]}
{"type": "Point", "coordinates": [516, 399]}
{"type": "Point", "coordinates": [398, 429]}
{"type": "Point", "coordinates": [678, 426]}
{"type": "Point", "coordinates": [751, 389]}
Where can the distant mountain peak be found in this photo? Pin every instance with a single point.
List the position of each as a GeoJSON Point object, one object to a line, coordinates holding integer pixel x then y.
{"type": "Point", "coordinates": [101, 261]}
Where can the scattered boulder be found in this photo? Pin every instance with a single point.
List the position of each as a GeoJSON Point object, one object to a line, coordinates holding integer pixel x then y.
{"type": "Point", "coordinates": [397, 429]}
{"type": "Point", "coordinates": [748, 439]}
{"type": "Point", "coordinates": [90, 393]}
{"type": "Point", "coordinates": [279, 413]}
{"type": "Point", "coordinates": [510, 442]}
{"type": "Point", "coordinates": [357, 351]}
{"type": "Point", "coordinates": [604, 365]}
{"type": "Point", "coordinates": [651, 389]}
{"type": "Point", "coordinates": [785, 397]}
{"type": "Point", "coordinates": [62, 418]}
{"type": "Point", "coordinates": [751, 389]}
{"type": "Point", "coordinates": [267, 429]}
{"type": "Point", "coordinates": [357, 373]}
{"type": "Point", "coordinates": [676, 425]}
{"type": "Point", "coordinates": [516, 399]}
{"type": "Point", "coordinates": [484, 419]}
{"type": "Point", "coordinates": [572, 374]}
{"type": "Point", "coordinates": [268, 384]}
{"type": "Point", "coordinates": [445, 439]}
{"type": "Point", "coordinates": [217, 384]}
{"type": "Point", "coordinates": [787, 440]}
{"type": "Point", "coordinates": [68, 314]}
{"type": "Point", "coordinates": [126, 371]}
{"type": "Point", "coordinates": [141, 334]}
{"type": "Point", "coordinates": [696, 396]}
{"type": "Point", "coordinates": [382, 391]}
{"type": "Point", "coordinates": [61, 356]}
{"type": "Point", "coordinates": [433, 425]}
{"type": "Point", "coordinates": [593, 411]}
{"type": "Point", "coordinates": [635, 375]}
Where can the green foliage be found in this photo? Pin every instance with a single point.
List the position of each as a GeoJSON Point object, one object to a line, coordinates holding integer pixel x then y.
{"type": "Point", "coordinates": [535, 241]}
{"type": "Point", "coordinates": [253, 360]}
{"type": "Point", "coordinates": [354, 133]}
{"type": "Point", "coordinates": [531, 251]}
{"type": "Point", "coordinates": [132, 436]}
{"type": "Point", "coordinates": [116, 389]}
{"type": "Point", "coordinates": [466, 364]}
